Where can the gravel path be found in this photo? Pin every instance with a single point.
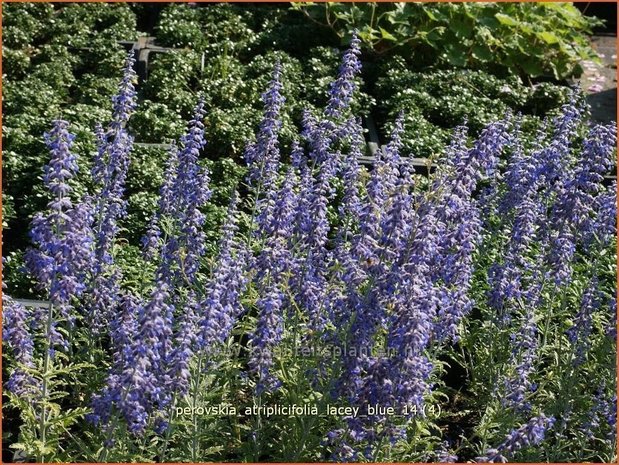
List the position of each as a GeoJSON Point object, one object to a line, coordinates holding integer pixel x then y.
{"type": "Point", "coordinates": [599, 81]}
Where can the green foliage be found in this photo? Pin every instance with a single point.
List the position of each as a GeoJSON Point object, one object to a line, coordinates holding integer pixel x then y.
{"type": "Point", "coordinates": [91, 25]}
{"type": "Point", "coordinates": [533, 39]}
{"type": "Point", "coordinates": [25, 24]}
{"type": "Point", "coordinates": [212, 29]}
{"type": "Point", "coordinates": [435, 102]}
{"type": "Point", "coordinates": [242, 31]}
{"type": "Point", "coordinates": [45, 419]}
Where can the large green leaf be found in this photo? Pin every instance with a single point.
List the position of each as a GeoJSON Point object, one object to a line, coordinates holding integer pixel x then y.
{"type": "Point", "coordinates": [548, 37]}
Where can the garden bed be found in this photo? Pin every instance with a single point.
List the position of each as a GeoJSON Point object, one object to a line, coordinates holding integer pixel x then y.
{"type": "Point", "coordinates": [403, 239]}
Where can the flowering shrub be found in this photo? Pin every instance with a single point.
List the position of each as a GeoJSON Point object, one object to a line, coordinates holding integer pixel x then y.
{"type": "Point", "coordinates": [58, 59]}
{"type": "Point", "coordinates": [63, 59]}
{"type": "Point", "coordinates": [346, 314]}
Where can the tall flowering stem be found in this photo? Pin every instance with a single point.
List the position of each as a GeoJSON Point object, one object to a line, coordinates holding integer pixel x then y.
{"type": "Point", "coordinates": [221, 304]}
{"type": "Point", "coordinates": [152, 241]}
{"type": "Point", "coordinates": [272, 265]}
{"type": "Point", "coordinates": [110, 173]}
{"type": "Point", "coordinates": [16, 334]}
{"type": "Point", "coordinates": [262, 156]}
{"type": "Point", "coordinates": [572, 214]}
{"type": "Point", "coordinates": [156, 342]}
{"type": "Point", "coordinates": [61, 256]}
{"type": "Point", "coordinates": [343, 88]}
{"type": "Point", "coordinates": [189, 192]}
{"type": "Point", "coordinates": [461, 225]}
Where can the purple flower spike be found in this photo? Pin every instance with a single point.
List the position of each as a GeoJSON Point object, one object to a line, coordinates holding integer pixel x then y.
{"type": "Point", "coordinates": [16, 334]}
{"type": "Point", "coordinates": [182, 196]}
{"type": "Point", "coordinates": [572, 215]}
{"type": "Point", "coordinates": [530, 434]}
{"type": "Point", "coordinates": [524, 354]}
{"type": "Point", "coordinates": [151, 241]}
{"type": "Point", "coordinates": [62, 238]}
{"type": "Point", "coordinates": [342, 90]}
{"type": "Point", "coordinates": [262, 157]}
{"type": "Point", "coordinates": [189, 193]}
{"type": "Point", "coordinates": [125, 101]}
{"type": "Point", "coordinates": [580, 332]}
{"type": "Point", "coordinates": [221, 306]}
{"type": "Point", "coordinates": [272, 266]}
{"type": "Point", "coordinates": [110, 173]}
{"type": "Point", "coordinates": [605, 223]}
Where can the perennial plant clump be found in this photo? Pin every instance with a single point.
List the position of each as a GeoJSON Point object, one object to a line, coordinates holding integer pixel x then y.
{"type": "Point", "coordinates": [468, 315]}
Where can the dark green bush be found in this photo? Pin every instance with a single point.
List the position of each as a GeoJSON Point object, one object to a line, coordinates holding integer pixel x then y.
{"type": "Point", "coordinates": [213, 29]}
{"type": "Point", "coordinates": [77, 25]}
{"type": "Point", "coordinates": [529, 38]}
{"type": "Point", "coordinates": [25, 24]}
{"type": "Point", "coordinates": [437, 101]}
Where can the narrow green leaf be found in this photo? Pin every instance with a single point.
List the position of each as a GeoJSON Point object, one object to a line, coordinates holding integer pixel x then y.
{"type": "Point", "coordinates": [506, 20]}
{"type": "Point", "coordinates": [387, 35]}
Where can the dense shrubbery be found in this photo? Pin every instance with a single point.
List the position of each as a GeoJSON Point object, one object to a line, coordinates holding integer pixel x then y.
{"type": "Point", "coordinates": [531, 39]}
{"type": "Point", "coordinates": [478, 303]}
{"type": "Point", "coordinates": [435, 102]}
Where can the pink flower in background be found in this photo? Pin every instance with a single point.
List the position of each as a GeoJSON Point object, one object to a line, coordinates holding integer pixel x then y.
{"type": "Point", "coordinates": [595, 88]}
